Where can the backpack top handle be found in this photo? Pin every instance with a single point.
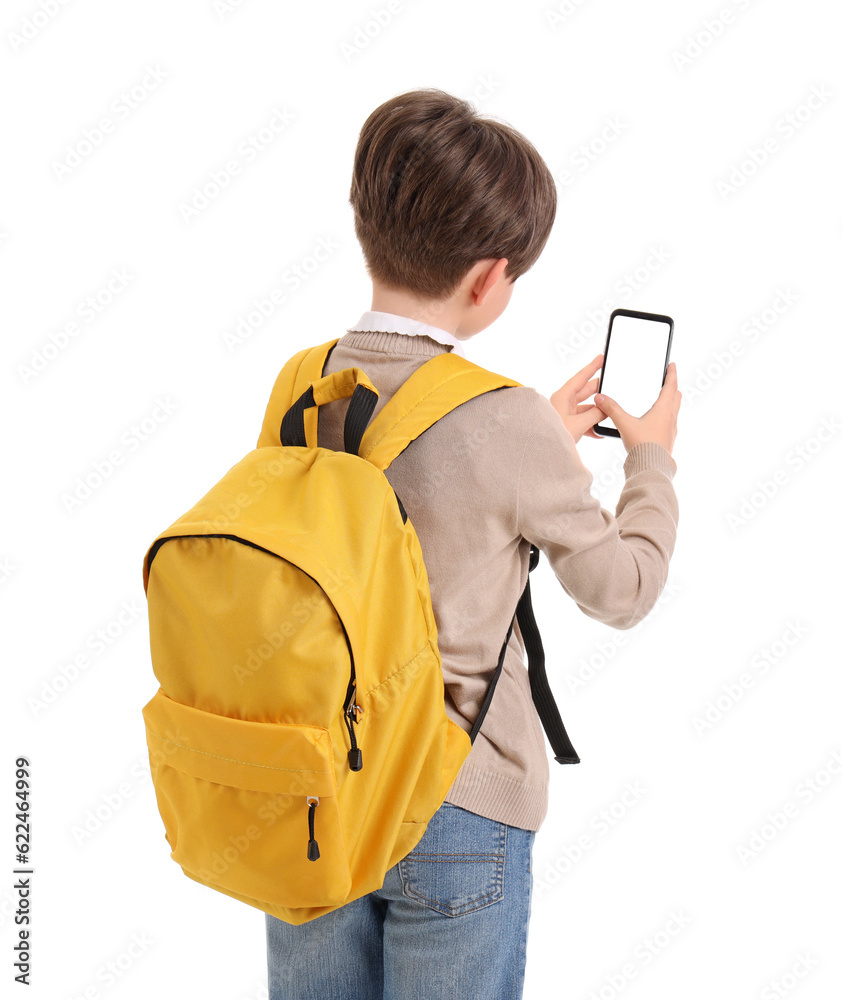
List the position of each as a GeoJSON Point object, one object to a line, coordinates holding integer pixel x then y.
{"type": "Point", "coordinates": [351, 382]}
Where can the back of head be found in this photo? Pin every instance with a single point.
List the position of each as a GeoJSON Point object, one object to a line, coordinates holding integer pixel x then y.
{"type": "Point", "coordinates": [437, 187]}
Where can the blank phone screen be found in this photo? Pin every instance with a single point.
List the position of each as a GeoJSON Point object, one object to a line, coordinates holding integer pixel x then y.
{"type": "Point", "coordinates": [633, 367]}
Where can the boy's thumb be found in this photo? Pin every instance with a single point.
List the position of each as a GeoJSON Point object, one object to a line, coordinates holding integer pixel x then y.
{"type": "Point", "coordinates": [610, 408]}
{"type": "Point", "coordinates": [605, 403]}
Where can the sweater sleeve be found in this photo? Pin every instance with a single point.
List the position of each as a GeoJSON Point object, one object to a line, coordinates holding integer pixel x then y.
{"type": "Point", "coordinates": [613, 566]}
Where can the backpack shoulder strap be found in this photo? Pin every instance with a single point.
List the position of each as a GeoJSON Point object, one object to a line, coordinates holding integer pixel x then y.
{"type": "Point", "coordinates": [294, 378]}
{"type": "Point", "coordinates": [542, 695]}
{"type": "Point", "coordinates": [433, 390]}
{"type": "Point", "coordinates": [440, 385]}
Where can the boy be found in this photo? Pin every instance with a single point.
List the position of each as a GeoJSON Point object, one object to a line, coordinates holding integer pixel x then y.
{"type": "Point", "coordinates": [450, 209]}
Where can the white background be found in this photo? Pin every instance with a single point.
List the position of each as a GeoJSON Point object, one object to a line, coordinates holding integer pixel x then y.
{"type": "Point", "coordinates": [639, 146]}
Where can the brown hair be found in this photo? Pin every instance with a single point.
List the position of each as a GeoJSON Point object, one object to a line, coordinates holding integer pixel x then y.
{"type": "Point", "coordinates": [436, 188]}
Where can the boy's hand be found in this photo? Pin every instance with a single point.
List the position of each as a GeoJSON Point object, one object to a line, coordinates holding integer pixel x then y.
{"type": "Point", "coordinates": [567, 401]}
{"type": "Point", "coordinates": [658, 423]}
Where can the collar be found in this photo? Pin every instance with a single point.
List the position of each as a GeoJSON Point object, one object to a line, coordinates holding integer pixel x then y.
{"type": "Point", "coordinates": [385, 322]}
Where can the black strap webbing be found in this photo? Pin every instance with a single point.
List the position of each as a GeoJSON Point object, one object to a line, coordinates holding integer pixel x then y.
{"type": "Point", "coordinates": [538, 683]}
{"type": "Point", "coordinates": [358, 414]}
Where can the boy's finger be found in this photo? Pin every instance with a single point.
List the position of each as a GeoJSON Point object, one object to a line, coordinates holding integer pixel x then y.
{"type": "Point", "coordinates": [586, 417]}
{"type": "Point", "coordinates": [609, 407]}
{"type": "Point", "coordinates": [587, 390]}
{"type": "Point", "coordinates": [580, 378]}
{"type": "Point", "coordinates": [670, 386]}
{"type": "Point", "coordinates": [594, 413]}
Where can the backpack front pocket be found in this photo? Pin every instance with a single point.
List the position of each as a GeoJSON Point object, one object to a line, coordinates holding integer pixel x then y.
{"type": "Point", "coordinates": [249, 807]}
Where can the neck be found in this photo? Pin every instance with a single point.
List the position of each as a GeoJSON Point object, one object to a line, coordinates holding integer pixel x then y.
{"type": "Point", "coordinates": [440, 314]}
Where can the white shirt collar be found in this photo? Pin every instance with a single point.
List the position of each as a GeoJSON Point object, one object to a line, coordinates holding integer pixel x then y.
{"type": "Point", "coordinates": [385, 322]}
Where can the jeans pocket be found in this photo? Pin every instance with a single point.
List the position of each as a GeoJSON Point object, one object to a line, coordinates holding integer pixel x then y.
{"type": "Point", "coordinates": [457, 866]}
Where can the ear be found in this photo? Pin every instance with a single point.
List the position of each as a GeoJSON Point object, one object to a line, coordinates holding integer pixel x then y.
{"type": "Point", "coordinates": [488, 278]}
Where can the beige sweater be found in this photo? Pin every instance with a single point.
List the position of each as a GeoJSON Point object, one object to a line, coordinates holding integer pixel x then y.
{"type": "Point", "coordinates": [483, 482]}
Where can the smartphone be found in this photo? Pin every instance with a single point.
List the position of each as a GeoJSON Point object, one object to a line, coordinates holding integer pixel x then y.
{"type": "Point", "coordinates": [634, 366]}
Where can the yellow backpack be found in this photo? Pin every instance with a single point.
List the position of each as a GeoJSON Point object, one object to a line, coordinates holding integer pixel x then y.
{"type": "Point", "coordinates": [298, 741]}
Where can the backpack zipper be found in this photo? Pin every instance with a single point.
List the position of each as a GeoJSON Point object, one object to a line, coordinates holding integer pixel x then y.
{"type": "Point", "coordinates": [351, 711]}
{"type": "Point", "coordinates": [312, 845]}
{"type": "Point", "coordinates": [351, 716]}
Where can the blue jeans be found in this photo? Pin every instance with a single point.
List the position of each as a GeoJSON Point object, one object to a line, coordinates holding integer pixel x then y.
{"type": "Point", "coordinates": [451, 920]}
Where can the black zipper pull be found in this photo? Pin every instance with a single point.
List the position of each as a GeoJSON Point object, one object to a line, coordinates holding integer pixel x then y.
{"type": "Point", "coordinates": [351, 715]}
{"type": "Point", "coordinates": [312, 845]}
